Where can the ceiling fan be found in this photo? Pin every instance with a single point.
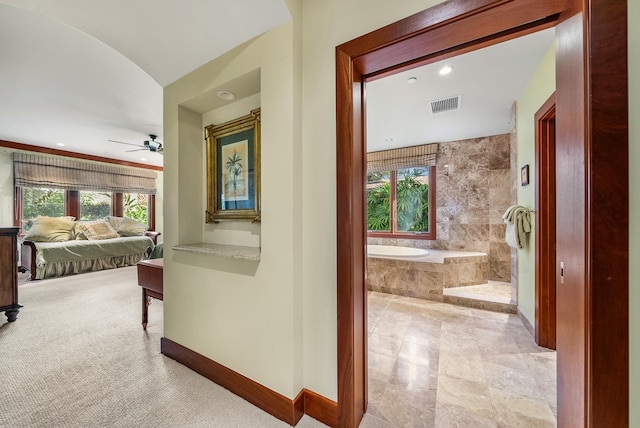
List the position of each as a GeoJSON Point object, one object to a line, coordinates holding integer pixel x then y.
{"type": "Point", "coordinates": [150, 145]}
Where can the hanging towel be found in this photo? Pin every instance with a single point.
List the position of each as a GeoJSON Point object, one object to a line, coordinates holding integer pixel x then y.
{"type": "Point", "coordinates": [518, 221]}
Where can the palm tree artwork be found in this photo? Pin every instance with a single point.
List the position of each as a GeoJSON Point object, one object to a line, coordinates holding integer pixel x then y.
{"type": "Point", "coordinates": [234, 168]}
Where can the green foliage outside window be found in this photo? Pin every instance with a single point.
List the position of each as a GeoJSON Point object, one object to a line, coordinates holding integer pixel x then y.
{"type": "Point", "coordinates": [35, 202]}
{"type": "Point", "coordinates": [378, 201]}
{"type": "Point", "coordinates": [412, 201]}
{"type": "Point", "coordinates": [135, 206]}
{"type": "Point", "coordinates": [94, 205]}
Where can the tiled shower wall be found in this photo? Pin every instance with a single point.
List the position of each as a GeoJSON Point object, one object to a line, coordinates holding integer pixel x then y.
{"type": "Point", "coordinates": [471, 196]}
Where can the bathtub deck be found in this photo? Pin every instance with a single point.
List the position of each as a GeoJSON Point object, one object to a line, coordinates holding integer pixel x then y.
{"type": "Point", "coordinates": [493, 296]}
{"type": "Point", "coordinates": [457, 277]}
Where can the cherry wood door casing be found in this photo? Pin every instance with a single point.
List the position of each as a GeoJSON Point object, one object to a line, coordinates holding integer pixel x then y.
{"type": "Point", "coordinates": [545, 225]}
{"type": "Point", "coordinates": [591, 119]}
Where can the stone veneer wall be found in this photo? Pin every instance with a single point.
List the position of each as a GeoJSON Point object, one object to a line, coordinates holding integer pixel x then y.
{"type": "Point", "coordinates": [470, 201]}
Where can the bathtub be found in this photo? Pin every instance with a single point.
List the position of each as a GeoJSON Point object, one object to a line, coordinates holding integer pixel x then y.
{"type": "Point", "coordinates": [424, 274]}
{"type": "Point", "coordinates": [393, 252]}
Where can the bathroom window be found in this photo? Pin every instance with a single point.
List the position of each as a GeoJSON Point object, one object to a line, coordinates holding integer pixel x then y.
{"type": "Point", "coordinates": [401, 203]}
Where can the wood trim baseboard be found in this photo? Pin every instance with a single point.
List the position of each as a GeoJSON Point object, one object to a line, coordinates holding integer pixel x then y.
{"type": "Point", "coordinates": [321, 408]}
{"type": "Point", "coordinates": [277, 405]}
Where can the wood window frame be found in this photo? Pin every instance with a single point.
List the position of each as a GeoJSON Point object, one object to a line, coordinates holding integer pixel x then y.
{"type": "Point", "coordinates": [72, 206]}
{"type": "Point", "coordinates": [394, 233]}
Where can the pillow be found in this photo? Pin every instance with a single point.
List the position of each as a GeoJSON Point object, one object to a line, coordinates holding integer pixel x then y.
{"type": "Point", "coordinates": [51, 229]}
{"type": "Point", "coordinates": [97, 230]}
{"type": "Point", "coordinates": [130, 227]}
{"type": "Point", "coordinates": [114, 221]}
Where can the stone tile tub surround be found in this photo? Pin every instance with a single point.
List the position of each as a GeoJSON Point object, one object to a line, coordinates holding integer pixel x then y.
{"type": "Point", "coordinates": [425, 277]}
{"type": "Point", "coordinates": [470, 202]}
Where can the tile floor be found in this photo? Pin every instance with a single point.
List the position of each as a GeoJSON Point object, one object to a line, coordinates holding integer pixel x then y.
{"type": "Point", "coordinates": [438, 365]}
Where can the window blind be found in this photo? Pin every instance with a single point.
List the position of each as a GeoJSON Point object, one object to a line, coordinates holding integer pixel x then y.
{"type": "Point", "coordinates": [404, 157]}
{"type": "Point", "coordinates": [69, 174]}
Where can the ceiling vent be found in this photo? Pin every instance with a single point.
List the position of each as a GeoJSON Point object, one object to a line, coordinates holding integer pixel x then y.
{"type": "Point", "coordinates": [446, 104]}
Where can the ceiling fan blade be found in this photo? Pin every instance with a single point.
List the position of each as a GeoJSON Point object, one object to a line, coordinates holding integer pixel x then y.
{"type": "Point", "coordinates": [136, 150]}
{"type": "Point", "coordinates": [128, 144]}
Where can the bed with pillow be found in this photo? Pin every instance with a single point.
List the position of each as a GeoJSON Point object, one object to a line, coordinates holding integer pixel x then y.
{"type": "Point", "coordinates": [58, 246]}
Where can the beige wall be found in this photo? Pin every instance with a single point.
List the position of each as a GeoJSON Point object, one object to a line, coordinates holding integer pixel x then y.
{"type": "Point", "coordinates": [327, 24]}
{"type": "Point", "coordinates": [634, 212]}
{"type": "Point", "coordinates": [540, 87]}
{"type": "Point", "coordinates": [244, 315]}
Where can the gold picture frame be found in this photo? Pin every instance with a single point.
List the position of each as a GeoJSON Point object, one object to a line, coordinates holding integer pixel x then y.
{"type": "Point", "coordinates": [233, 169]}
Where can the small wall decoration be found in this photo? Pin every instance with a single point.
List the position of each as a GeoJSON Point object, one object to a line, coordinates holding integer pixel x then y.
{"type": "Point", "coordinates": [233, 169]}
{"type": "Point", "coordinates": [524, 175]}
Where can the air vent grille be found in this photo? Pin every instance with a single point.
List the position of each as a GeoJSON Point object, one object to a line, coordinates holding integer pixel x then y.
{"type": "Point", "coordinates": [446, 104]}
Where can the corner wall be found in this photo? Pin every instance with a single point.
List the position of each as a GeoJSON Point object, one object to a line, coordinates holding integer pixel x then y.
{"type": "Point", "coordinates": [241, 314]}
{"type": "Point", "coordinates": [540, 87]}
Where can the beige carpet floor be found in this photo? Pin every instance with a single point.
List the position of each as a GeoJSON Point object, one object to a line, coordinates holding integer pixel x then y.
{"type": "Point", "coordinates": [77, 357]}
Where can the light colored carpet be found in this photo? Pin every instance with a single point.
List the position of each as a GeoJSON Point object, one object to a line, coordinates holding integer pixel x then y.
{"type": "Point", "coordinates": [77, 357]}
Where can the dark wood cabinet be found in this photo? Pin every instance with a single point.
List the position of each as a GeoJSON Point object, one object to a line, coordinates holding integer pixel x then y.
{"type": "Point", "coordinates": [9, 272]}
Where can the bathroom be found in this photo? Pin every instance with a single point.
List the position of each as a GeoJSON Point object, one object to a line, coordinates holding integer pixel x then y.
{"type": "Point", "coordinates": [461, 114]}
{"type": "Point", "coordinates": [474, 186]}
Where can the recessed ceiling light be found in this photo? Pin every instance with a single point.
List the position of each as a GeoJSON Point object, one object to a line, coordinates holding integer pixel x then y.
{"type": "Point", "coordinates": [445, 70]}
{"type": "Point", "coordinates": [143, 159]}
{"type": "Point", "coordinates": [59, 144]}
{"type": "Point", "coordinates": [226, 95]}
{"type": "Point", "coordinates": [412, 80]}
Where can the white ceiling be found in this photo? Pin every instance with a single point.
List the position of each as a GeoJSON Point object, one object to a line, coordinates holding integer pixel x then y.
{"type": "Point", "coordinates": [81, 72]}
{"type": "Point", "coordinates": [489, 80]}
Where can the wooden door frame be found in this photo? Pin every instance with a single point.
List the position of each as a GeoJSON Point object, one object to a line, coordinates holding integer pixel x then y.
{"type": "Point", "coordinates": [593, 111]}
{"type": "Point", "coordinates": [545, 224]}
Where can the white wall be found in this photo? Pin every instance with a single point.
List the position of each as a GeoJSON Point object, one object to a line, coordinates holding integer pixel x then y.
{"type": "Point", "coordinates": [539, 88]}
{"type": "Point", "coordinates": [6, 189]}
{"type": "Point", "coordinates": [634, 211]}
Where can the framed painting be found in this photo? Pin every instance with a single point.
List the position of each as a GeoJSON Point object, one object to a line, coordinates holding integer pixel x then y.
{"type": "Point", "coordinates": [524, 175]}
{"type": "Point", "coordinates": [233, 169]}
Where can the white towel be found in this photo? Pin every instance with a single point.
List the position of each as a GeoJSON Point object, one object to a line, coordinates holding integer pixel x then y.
{"type": "Point", "coordinates": [518, 222]}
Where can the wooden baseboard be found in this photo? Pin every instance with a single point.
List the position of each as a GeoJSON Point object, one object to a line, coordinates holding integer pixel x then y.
{"type": "Point", "coordinates": [321, 408]}
{"type": "Point", "coordinates": [279, 406]}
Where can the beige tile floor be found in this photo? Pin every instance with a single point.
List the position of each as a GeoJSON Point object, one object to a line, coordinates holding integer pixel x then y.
{"type": "Point", "coordinates": [439, 365]}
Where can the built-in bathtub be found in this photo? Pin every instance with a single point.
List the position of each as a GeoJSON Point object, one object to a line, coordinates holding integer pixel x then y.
{"type": "Point", "coordinates": [416, 274]}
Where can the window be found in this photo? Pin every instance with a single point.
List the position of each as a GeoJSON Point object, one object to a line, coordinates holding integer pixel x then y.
{"type": "Point", "coordinates": [135, 206]}
{"type": "Point", "coordinates": [94, 205]}
{"type": "Point", "coordinates": [41, 201]}
{"type": "Point", "coordinates": [401, 203]}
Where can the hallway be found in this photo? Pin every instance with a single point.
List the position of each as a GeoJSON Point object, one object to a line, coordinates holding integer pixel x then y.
{"type": "Point", "coordinates": [435, 364]}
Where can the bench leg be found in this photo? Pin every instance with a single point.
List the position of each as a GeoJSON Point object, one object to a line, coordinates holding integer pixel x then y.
{"type": "Point", "coordinates": [145, 309]}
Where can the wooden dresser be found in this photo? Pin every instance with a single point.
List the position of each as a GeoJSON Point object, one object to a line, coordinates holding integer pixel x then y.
{"type": "Point", "coordinates": [9, 272]}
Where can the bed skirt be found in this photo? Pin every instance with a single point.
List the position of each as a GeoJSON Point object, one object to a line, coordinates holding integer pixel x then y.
{"type": "Point", "coordinates": [51, 270]}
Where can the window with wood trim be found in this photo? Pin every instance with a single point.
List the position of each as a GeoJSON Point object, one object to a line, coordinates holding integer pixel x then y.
{"type": "Point", "coordinates": [83, 205]}
{"type": "Point", "coordinates": [401, 203]}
